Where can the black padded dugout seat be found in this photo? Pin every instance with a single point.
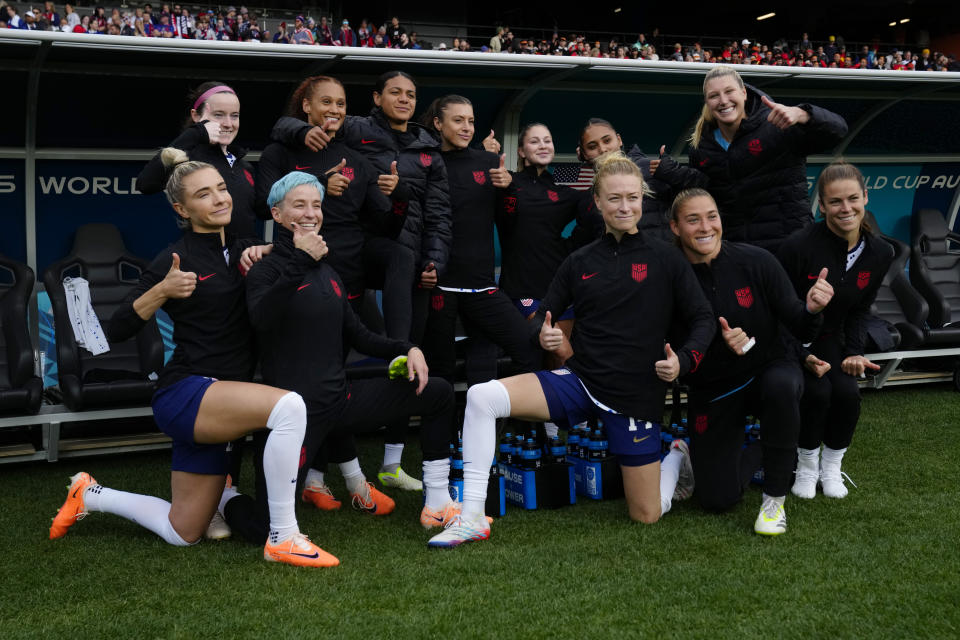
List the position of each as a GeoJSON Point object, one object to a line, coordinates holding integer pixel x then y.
{"type": "Point", "coordinates": [935, 273]}
{"type": "Point", "coordinates": [121, 376]}
{"type": "Point", "coordinates": [898, 303]}
{"type": "Point", "coordinates": [20, 389]}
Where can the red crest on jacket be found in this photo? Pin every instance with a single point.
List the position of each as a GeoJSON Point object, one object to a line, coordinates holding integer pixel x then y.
{"type": "Point", "coordinates": [336, 288]}
{"type": "Point", "coordinates": [744, 297]}
{"type": "Point", "coordinates": [399, 208]}
{"type": "Point", "coordinates": [510, 204]}
{"type": "Point", "coordinates": [426, 159]}
{"type": "Point", "coordinates": [700, 424]}
{"type": "Point", "coordinates": [552, 195]}
{"type": "Point", "coordinates": [863, 279]}
{"type": "Point", "coordinates": [480, 177]}
{"type": "Point", "coordinates": [347, 173]}
{"type": "Point", "coordinates": [755, 147]}
{"type": "Point", "coordinates": [436, 301]}
{"type": "Point", "coordinates": [639, 272]}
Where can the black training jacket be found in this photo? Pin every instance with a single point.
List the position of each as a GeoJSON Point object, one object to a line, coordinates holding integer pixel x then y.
{"type": "Point", "coordinates": [748, 287]}
{"type": "Point", "coordinates": [211, 328]}
{"type": "Point", "coordinates": [423, 176]}
{"type": "Point", "coordinates": [760, 182]}
{"type": "Point", "coordinates": [239, 178]}
{"type": "Point", "coordinates": [473, 201]}
{"type": "Point", "coordinates": [361, 207]}
{"type": "Point", "coordinates": [306, 326]}
{"type": "Point", "coordinates": [807, 251]}
{"type": "Point", "coordinates": [532, 215]}
{"type": "Point", "coordinates": [628, 297]}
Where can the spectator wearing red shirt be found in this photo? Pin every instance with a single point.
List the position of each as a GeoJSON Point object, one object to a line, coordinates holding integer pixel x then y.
{"type": "Point", "coordinates": [346, 37]}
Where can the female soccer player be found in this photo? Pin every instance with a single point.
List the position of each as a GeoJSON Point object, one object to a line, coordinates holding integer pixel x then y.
{"type": "Point", "coordinates": [746, 369]}
{"type": "Point", "coordinates": [408, 158]}
{"type": "Point", "coordinates": [204, 398]}
{"type": "Point", "coordinates": [857, 262]}
{"type": "Point", "coordinates": [306, 326]}
{"type": "Point", "coordinates": [627, 293]}
{"type": "Point", "coordinates": [210, 136]}
{"type": "Point", "coordinates": [469, 289]}
{"type": "Point", "coordinates": [353, 200]}
{"type": "Point", "coordinates": [532, 216]}
{"type": "Point", "coordinates": [754, 151]}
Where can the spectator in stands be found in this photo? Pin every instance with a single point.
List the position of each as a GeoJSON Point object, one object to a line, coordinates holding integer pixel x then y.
{"type": "Point", "coordinates": [100, 18]}
{"type": "Point", "coordinates": [324, 33]}
{"type": "Point", "coordinates": [395, 30]}
{"type": "Point", "coordinates": [496, 42]}
{"type": "Point", "coordinates": [754, 152]}
{"type": "Point", "coordinates": [30, 21]}
{"type": "Point", "coordinates": [345, 36]}
{"type": "Point", "coordinates": [364, 35]}
{"type": "Point", "coordinates": [301, 34]}
{"type": "Point", "coordinates": [71, 16]}
{"type": "Point", "coordinates": [162, 30]}
{"type": "Point", "coordinates": [282, 36]}
{"type": "Point", "coordinates": [49, 16]}
{"type": "Point", "coordinates": [184, 24]}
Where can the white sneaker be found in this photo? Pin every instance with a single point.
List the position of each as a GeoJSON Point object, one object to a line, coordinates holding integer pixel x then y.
{"type": "Point", "coordinates": [772, 519]}
{"type": "Point", "coordinates": [808, 473]}
{"type": "Point", "coordinates": [685, 481]}
{"type": "Point", "coordinates": [831, 477]}
{"type": "Point", "coordinates": [460, 530]}
{"type": "Point", "coordinates": [218, 529]}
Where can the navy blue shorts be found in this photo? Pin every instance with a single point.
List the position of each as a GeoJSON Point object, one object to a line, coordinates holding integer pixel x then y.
{"type": "Point", "coordinates": [526, 306]}
{"type": "Point", "coordinates": [634, 442]}
{"type": "Point", "coordinates": [175, 411]}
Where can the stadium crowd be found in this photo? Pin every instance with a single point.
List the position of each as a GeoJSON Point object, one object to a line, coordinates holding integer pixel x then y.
{"type": "Point", "coordinates": [231, 24]}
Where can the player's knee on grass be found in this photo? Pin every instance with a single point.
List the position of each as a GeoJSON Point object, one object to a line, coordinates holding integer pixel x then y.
{"type": "Point", "coordinates": [644, 513]}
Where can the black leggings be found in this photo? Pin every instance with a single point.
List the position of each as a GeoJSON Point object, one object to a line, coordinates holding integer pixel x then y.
{"type": "Point", "coordinates": [369, 404]}
{"type": "Point", "coordinates": [720, 466]}
{"type": "Point", "coordinates": [392, 267]}
{"type": "Point", "coordinates": [487, 314]}
{"type": "Point", "coordinates": [831, 405]}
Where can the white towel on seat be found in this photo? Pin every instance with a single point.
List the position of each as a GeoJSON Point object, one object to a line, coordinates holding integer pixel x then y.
{"type": "Point", "coordinates": [83, 319]}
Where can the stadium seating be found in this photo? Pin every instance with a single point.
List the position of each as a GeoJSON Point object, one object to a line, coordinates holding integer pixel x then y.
{"type": "Point", "coordinates": [934, 269]}
{"type": "Point", "coordinates": [120, 376]}
{"type": "Point", "coordinates": [20, 389]}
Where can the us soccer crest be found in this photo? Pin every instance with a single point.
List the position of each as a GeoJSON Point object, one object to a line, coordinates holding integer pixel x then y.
{"type": "Point", "coordinates": [744, 297]}
{"type": "Point", "coordinates": [863, 279]}
{"type": "Point", "coordinates": [425, 159]}
{"type": "Point", "coordinates": [639, 272]}
{"type": "Point", "coordinates": [480, 177]}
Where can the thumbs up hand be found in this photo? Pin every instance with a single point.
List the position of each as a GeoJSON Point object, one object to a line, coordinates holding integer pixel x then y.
{"type": "Point", "coordinates": [782, 116]}
{"type": "Point", "coordinates": [317, 138]}
{"type": "Point", "coordinates": [177, 283]}
{"type": "Point", "coordinates": [736, 338]}
{"type": "Point", "coordinates": [388, 182]}
{"type": "Point", "coordinates": [337, 183]}
{"type": "Point", "coordinates": [655, 163]}
{"type": "Point", "coordinates": [820, 294]}
{"type": "Point", "coordinates": [500, 177]}
{"type": "Point", "coordinates": [309, 242]}
{"type": "Point", "coordinates": [551, 337]}
{"type": "Point", "coordinates": [490, 143]}
{"type": "Point", "coordinates": [669, 368]}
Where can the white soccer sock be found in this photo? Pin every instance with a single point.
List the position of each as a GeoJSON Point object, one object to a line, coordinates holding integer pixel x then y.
{"type": "Point", "coordinates": [669, 475]}
{"type": "Point", "coordinates": [832, 456]}
{"type": "Point", "coordinates": [229, 493]}
{"type": "Point", "coordinates": [551, 429]}
{"type": "Point", "coordinates": [352, 475]}
{"type": "Point", "coordinates": [485, 403]}
{"type": "Point", "coordinates": [392, 454]}
{"type": "Point", "coordinates": [147, 511]}
{"type": "Point", "coordinates": [436, 484]}
{"type": "Point", "coordinates": [314, 478]}
{"type": "Point", "coordinates": [281, 459]}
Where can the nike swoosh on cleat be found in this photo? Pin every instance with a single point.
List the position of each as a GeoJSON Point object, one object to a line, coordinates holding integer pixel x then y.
{"type": "Point", "coordinates": [588, 276]}
{"type": "Point", "coordinates": [202, 278]}
{"type": "Point", "coordinates": [312, 556]}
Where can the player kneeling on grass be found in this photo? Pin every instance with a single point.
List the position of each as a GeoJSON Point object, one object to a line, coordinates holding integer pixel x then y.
{"type": "Point", "coordinates": [627, 292]}
{"type": "Point", "coordinates": [306, 326]}
{"type": "Point", "coordinates": [204, 398]}
{"type": "Point", "coordinates": [747, 369]}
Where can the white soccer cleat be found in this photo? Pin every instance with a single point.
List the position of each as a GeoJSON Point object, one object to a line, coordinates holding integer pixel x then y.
{"type": "Point", "coordinates": [399, 480]}
{"type": "Point", "coordinates": [685, 481]}
{"type": "Point", "coordinates": [459, 531]}
{"type": "Point", "coordinates": [772, 519]}
{"type": "Point", "coordinates": [218, 529]}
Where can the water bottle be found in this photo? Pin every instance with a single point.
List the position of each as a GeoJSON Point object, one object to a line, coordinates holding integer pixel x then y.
{"type": "Point", "coordinates": [585, 434]}
{"type": "Point", "coordinates": [518, 449]}
{"type": "Point", "coordinates": [682, 429]}
{"type": "Point", "coordinates": [456, 461]}
{"type": "Point", "coordinates": [557, 450]}
{"type": "Point", "coordinates": [506, 448]}
{"type": "Point", "coordinates": [573, 441]}
{"type": "Point", "coordinates": [529, 454]}
{"type": "Point", "coordinates": [604, 445]}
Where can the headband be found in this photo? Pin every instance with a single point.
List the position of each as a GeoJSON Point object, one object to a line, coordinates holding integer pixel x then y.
{"type": "Point", "coordinates": [220, 88]}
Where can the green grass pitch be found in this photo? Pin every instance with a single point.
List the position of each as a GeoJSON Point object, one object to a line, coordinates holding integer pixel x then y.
{"type": "Point", "coordinates": [881, 563]}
